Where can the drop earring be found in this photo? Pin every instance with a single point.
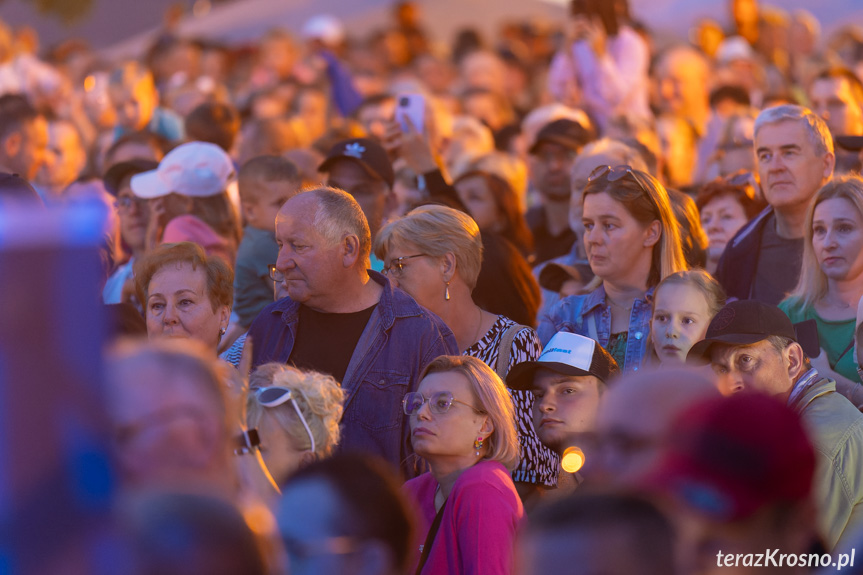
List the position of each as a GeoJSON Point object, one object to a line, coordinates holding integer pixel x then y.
{"type": "Point", "coordinates": [446, 292]}
{"type": "Point", "coordinates": [477, 445]}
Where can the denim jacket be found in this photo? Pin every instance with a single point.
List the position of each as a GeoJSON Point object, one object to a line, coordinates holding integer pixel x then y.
{"type": "Point", "coordinates": [590, 315]}
{"type": "Point", "coordinates": [399, 341]}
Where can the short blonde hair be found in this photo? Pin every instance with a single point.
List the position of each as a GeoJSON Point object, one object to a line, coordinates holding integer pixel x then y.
{"type": "Point", "coordinates": [318, 396]}
{"type": "Point", "coordinates": [493, 398]}
{"type": "Point", "coordinates": [437, 231]}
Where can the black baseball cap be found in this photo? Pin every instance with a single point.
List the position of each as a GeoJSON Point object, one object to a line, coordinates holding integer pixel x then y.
{"type": "Point", "coordinates": [367, 153]}
{"type": "Point", "coordinates": [115, 174]}
{"type": "Point", "coordinates": [568, 354]}
{"type": "Point", "coordinates": [564, 132]}
{"type": "Point", "coordinates": [742, 322]}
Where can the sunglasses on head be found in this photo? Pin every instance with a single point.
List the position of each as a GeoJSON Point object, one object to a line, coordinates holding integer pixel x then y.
{"type": "Point", "coordinates": [275, 396]}
{"type": "Point", "coordinates": [616, 173]}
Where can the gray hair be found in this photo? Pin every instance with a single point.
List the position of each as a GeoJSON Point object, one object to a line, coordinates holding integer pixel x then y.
{"type": "Point", "coordinates": [339, 215]}
{"type": "Point", "coordinates": [819, 133]}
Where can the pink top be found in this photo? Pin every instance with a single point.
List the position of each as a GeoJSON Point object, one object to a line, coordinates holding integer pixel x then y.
{"type": "Point", "coordinates": [189, 228]}
{"type": "Point", "coordinates": [479, 524]}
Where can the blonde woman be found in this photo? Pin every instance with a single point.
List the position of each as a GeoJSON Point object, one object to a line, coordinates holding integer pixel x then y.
{"type": "Point", "coordinates": [632, 242]}
{"type": "Point", "coordinates": [831, 276]}
{"type": "Point", "coordinates": [296, 414]}
{"type": "Point", "coordinates": [434, 253]}
{"type": "Point", "coordinates": [463, 425]}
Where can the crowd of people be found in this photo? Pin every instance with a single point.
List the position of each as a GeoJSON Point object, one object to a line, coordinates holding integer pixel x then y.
{"type": "Point", "coordinates": [575, 298]}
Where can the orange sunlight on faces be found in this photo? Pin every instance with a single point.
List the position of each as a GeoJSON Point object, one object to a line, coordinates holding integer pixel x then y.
{"type": "Point", "coordinates": [680, 319]}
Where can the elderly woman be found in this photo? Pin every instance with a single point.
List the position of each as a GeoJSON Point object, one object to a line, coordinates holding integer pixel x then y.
{"type": "Point", "coordinates": [185, 293]}
{"type": "Point", "coordinates": [434, 254]}
{"type": "Point", "coordinates": [831, 276]}
{"type": "Point", "coordinates": [632, 242]}
{"type": "Point", "coordinates": [296, 414]}
{"type": "Point", "coordinates": [725, 206]}
{"type": "Point", "coordinates": [463, 425]}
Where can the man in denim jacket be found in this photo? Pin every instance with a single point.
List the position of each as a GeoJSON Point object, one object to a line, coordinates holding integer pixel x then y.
{"type": "Point", "coordinates": [342, 319]}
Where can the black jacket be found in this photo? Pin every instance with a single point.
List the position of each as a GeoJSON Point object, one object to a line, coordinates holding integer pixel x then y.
{"type": "Point", "coordinates": [739, 261]}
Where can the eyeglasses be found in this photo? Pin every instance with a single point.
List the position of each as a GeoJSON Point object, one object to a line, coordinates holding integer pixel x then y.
{"type": "Point", "coordinates": [616, 173]}
{"type": "Point", "coordinates": [126, 202]}
{"type": "Point", "coordinates": [275, 396]}
{"type": "Point", "coordinates": [397, 266]}
{"type": "Point", "coordinates": [440, 402]}
{"type": "Point", "coordinates": [275, 274]}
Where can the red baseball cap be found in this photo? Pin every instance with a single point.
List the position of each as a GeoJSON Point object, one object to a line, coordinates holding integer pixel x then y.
{"type": "Point", "coordinates": [731, 457]}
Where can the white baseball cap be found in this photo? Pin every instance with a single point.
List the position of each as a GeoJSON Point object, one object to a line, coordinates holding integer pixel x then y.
{"type": "Point", "coordinates": [568, 354]}
{"type": "Point", "coordinates": [194, 169]}
{"type": "Point", "coordinates": [324, 27]}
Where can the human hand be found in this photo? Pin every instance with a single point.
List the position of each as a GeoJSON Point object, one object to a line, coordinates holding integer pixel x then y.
{"type": "Point", "coordinates": [412, 146]}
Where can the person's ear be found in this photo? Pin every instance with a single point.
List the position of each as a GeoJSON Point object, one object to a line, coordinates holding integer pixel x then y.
{"type": "Point", "coordinates": [12, 144]}
{"type": "Point", "coordinates": [308, 458]}
{"type": "Point", "coordinates": [249, 210]}
{"type": "Point", "coordinates": [794, 360]}
{"type": "Point", "coordinates": [652, 233]}
{"type": "Point", "coordinates": [350, 250]}
{"type": "Point", "coordinates": [448, 266]}
{"type": "Point", "coordinates": [487, 427]}
{"type": "Point", "coordinates": [224, 316]}
{"type": "Point", "coordinates": [829, 165]}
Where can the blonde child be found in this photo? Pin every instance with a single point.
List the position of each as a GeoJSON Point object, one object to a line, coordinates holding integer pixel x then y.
{"type": "Point", "coordinates": [683, 305]}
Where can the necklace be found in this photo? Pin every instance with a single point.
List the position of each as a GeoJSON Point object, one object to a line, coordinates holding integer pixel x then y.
{"type": "Point", "coordinates": [617, 305]}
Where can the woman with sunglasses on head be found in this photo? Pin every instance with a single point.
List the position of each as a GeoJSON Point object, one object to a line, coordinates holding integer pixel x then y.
{"type": "Point", "coordinates": [434, 253]}
{"type": "Point", "coordinates": [462, 423]}
{"type": "Point", "coordinates": [632, 242]}
{"type": "Point", "coordinates": [296, 414]}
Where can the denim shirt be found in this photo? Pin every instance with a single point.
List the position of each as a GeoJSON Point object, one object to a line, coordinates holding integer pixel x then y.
{"type": "Point", "coordinates": [578, 313]}
{"type": "Point", "coordinates": [399, 341]}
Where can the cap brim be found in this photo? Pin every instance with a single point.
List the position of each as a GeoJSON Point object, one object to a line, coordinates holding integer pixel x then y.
{"type": "Point", "coordinates": [853, 143]}
{"type": "Point", "coordinates": [699, 351]}
{"type": "Point", "coordinates": [147, 185]}
{"type": "Point", "coordinates": [116, 173]}
{"type": "Point", "coordinates": [559, 140]}
{"type": "Point", "coordinates": [328, 164]}
{"type": "Point", "coordinates": [521, 375]}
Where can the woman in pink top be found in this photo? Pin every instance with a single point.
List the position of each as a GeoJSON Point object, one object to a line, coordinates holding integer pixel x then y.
{"type": "Point", "coordinates": [463, 424]}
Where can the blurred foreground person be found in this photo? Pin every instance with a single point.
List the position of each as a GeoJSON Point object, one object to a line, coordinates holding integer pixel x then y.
{"type": "Point", "coordinates": [752, 347]}
{"type": "Point", "coordinates": [170, 418]}
{"type": "Point", "coordinates": [463, 425]}
{"type": "Point", "coordinates": [598, 533]}
{"type": "Point", "coordinates": [738, 475]}
{"type": "Point", "coordinates": [345, 516]}
{"type": "Point", "coordinates": [634, 418]}
{"type": "Point", "coordinates": [190, 534]}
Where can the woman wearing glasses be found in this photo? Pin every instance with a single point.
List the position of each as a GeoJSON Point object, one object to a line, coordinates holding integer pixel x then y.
{"type": "Point", "coordinates": [632, 242]}
{"type": "Point", "coordinates": [296, 414]}
{"type": "Point", "coordinates": [434, 253]}
{"type": "Point", "coordinates": [462, 424]}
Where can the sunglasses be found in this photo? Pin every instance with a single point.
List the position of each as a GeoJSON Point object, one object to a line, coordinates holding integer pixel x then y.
{"type": "Point", "coordinates": [275, 396]}
{"type": "Point", "coordinates": [440, 402]}
{"type": "Point", "coordinates": [616, 173]}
